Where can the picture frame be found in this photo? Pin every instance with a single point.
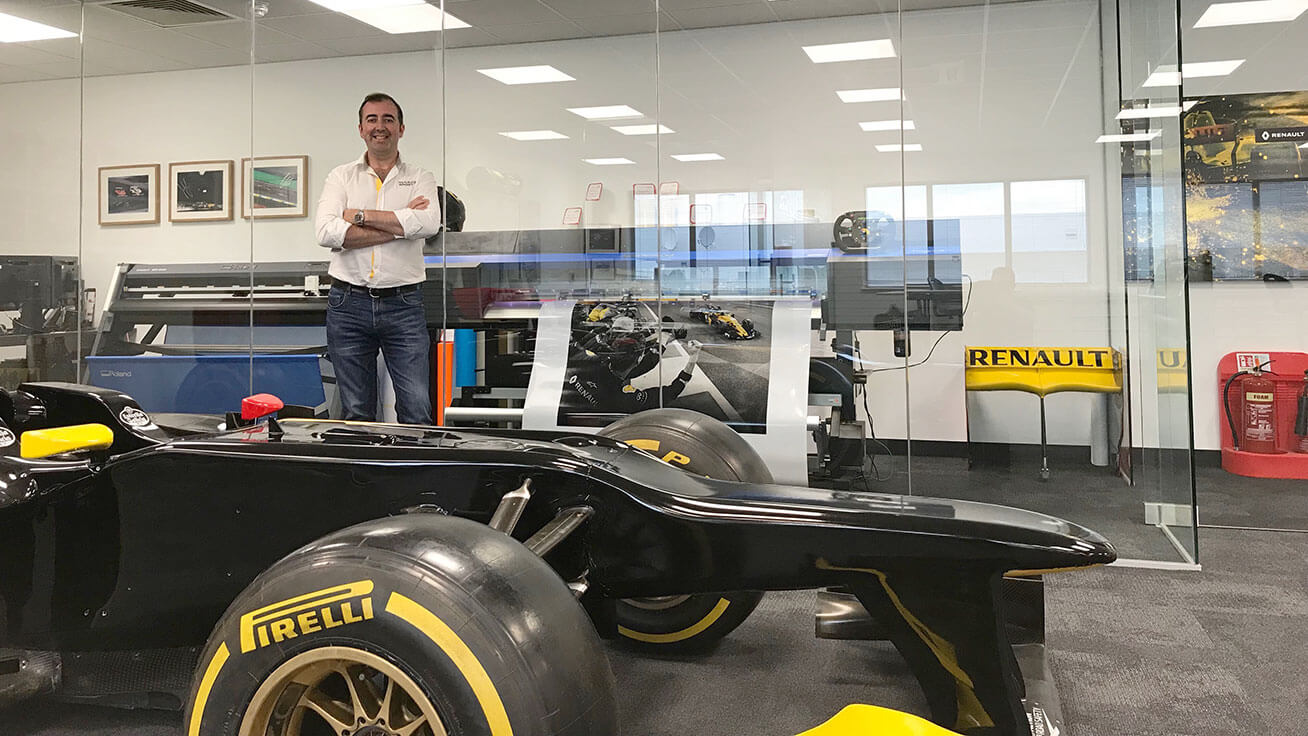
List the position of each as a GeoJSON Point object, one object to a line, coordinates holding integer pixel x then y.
{"type": "Point", "coordinates": [128, 195]}
{"type": "Point", "coordinates": [274, 186]}
{"type": "Point", "coordinates": [201, 191]}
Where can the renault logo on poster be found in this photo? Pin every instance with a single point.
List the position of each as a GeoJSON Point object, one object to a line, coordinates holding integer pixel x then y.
{"type": "Point", "coordinates": [1278, 135]}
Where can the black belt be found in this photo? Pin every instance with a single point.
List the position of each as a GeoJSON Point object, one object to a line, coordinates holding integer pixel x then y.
{"type": "Point", "coordinates": [373, 291]}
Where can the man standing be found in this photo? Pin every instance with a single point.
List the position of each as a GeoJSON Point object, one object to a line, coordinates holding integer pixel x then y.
{"type": "Point", "coordinates": [374, 215]}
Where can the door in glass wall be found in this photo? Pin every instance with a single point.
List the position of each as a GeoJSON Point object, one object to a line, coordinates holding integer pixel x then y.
{"type": "Point", "coordinates": [41, 315]}
{"type": "Point", "coordinates": [1244, 165]}
{"type": "Point", "coordinates": [165, 255]}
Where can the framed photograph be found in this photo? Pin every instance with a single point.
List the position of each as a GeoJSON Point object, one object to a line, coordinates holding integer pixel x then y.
{"type": "Point", "coordinates": [129, 195]}
{"type": "Point", "coordinates": [274, 186]}
{"type": "Point", "coordinates": [201, 191]}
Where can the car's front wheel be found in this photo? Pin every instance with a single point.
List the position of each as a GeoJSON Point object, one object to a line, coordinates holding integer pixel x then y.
{"type": "Point", "coordinates": [702, 445]}
{"type": "Point", "coordinates": [421, 625]}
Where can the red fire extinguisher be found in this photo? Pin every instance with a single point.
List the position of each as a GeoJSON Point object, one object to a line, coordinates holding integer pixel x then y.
{"type": "Point", "coordinates": [1257, 430]}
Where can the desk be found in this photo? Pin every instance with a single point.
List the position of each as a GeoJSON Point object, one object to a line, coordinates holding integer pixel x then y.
{"type": "Point", "coordinates": [1041, 371]}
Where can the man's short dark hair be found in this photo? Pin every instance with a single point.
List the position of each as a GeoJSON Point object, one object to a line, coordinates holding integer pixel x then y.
{"type": "Point", "coordinates": [382, 97]}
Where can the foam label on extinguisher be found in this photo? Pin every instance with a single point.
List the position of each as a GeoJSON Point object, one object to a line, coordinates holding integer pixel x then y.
{"type": "Point", "coordinates": [1250, 361]}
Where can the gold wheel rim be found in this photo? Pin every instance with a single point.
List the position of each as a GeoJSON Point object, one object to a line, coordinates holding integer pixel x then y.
{"type": "Point", "coordinates": [657, 603]}
{"type": "Point", "coordinates": [341, 691]}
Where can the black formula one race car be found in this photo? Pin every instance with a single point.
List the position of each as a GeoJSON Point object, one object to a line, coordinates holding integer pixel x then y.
{"type": "Point", "coordinates": [725, 322]}
{"type": "Point", "coordinates": [301, 576]}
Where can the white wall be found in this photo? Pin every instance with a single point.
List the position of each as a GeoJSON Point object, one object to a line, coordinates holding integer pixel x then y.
{"type": "Point", "coordinates": [998, 94]}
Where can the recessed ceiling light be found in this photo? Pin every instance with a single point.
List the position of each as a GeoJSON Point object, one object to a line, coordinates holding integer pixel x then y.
{"type": "Point", "coordinates": [396, 16]}
{"type": "Point", "coordinates": [527, 74]}
{"type": "Point", "coordinates": [1129, 137]}
{"type": "Point", "coordinates": [1257, 11]}
{"type": "Point", "coordinates": [895, 147]}
{"type": "Point", "coordinates": [854, 51]}
{"type": "Point", "coordinates": [697, 157]}
{"type": "Point", "coordinates": [15, 30]}
{"type": "Point", "coordinates": [606, 112]}
{"type": "Point", "coordinates": [1166, 75]}
{"type": "Point", "coordinates": [608, 161]}
{"type": "Point", "coordinates": [882, 94]}
{"type": "Point", "coordinates": [1152, 111]}
{"type": "Point", "coordinates": [534, 135]}
{"type": "Point", "coordinates": [642, 129]}
{"type": "Point", "coordinates": [875, 125]}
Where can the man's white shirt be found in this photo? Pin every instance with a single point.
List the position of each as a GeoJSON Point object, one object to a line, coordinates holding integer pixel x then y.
{"type": "Point", "coordinates": [356, 186]}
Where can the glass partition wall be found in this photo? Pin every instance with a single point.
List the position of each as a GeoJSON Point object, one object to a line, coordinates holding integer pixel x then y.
{"type": "Point", "coordinates": [800, 221]}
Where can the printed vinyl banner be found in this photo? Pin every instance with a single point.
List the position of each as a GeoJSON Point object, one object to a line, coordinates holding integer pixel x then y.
{"type": "Point", "coordinates": [1246, 195]}
{"type": "Point", "coordinates": [744, 362]}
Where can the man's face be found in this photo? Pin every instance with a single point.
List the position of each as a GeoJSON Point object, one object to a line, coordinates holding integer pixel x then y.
{"type": "Point", "coordinates": [380, 128]}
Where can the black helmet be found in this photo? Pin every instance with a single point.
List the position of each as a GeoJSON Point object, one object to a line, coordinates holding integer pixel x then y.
{"type": "Point", "coordinates": [452, 210]}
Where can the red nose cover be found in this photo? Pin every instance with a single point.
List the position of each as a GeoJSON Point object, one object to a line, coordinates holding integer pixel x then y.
{"type": "Point", "coordinates": [260, 405]}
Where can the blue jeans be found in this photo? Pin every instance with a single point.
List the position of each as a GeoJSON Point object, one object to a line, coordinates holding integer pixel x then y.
{"type": "Point", "coordinates": [358, 325]}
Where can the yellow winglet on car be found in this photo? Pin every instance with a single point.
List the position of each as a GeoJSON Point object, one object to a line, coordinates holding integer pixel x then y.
{"type": "Point", "coordinates": [863, 720]}
{"type": "Point", "coordinates": [46, 442]}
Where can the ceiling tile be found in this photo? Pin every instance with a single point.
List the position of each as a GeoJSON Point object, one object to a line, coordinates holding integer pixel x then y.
{"type": "Point", "coordinates": [291, 52]}
{"type": "Point", "coordinates": [320, 26]}
{"type": "Point", "coordinates": [527, 32]}
{"type": "Point", "coordinates": [102, 22]}
{"type": "Point", "coordinates": [501, 12]}
{"type": "Point", "coordinates": [467, 37]}
{"type": "Point", "coordinates": [725, 15]}
{"type": "Point", "coordinates": [59, 69]}
{"type": "Point", "coordinates": [236, 34]}
{"type": "Point", "coordinates": [168, 44]}
{"type": "Point", "coordinates": [618, 25]}
{"type": "Point", "coordinates": [386, 43]}
{"type": "Point", "coordinates": [583, 8]}
{"type": "Point", "coordinates": [19, 54]}
{"type": "Point", "coordinates": [10, 74]}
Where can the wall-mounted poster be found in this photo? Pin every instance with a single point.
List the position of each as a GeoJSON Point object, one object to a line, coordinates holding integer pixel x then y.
{"type": "Point", "coordinates": [201, 191]}
{"type": "Point", "coordinates": [1246, 194]}
{"type": "Point", "coordinates": [274, 186]}
{"type": "Point", "coordinates": [129, 195]}
{"type": "Point", "coordinates": [736, 360]}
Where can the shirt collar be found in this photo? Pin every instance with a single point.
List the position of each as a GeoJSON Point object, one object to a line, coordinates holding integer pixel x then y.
{"type": "Point", "coordinates": [362, 161]}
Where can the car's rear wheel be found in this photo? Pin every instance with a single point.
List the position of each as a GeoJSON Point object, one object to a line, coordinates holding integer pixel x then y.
{"type": "Point", "coordinates": [420, 625]}
{"type": "Point", "coordinates": [702, 445]}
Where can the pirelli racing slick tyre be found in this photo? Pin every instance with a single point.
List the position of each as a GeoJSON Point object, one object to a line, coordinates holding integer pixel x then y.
{"type": "Point", "coordinates": [417, 625]}
{"type": "Point", "coordinates": [701, 445]}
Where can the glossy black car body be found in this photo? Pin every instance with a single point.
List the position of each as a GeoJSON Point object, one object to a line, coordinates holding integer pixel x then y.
{"type": "Point", "coordinates": [144, 546]}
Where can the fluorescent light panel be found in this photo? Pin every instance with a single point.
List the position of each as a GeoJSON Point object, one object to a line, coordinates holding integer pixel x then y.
{"type": "Point", "coordinates": [1166, 76]}
{"type": "Point", "coordinates": [1129, 137]}
{"type": "Point", "coordinates": [606, 112]}
{"type": "Point", "coordinates": [1245, 13]}
{"type": "Point", "coordinates": [895, 147]}
{"type": "Point", "coordinates": [16, 30]}
{"type": "Point", "coordinates": [642, 129]}
{"type": "Point", "coordinates": [396, 16]}
{"type": "Point", "coordinates": [697, 157]}
{"type": "Point", "coordinates": [854, 51]}
{"type": "Point", "coordinates": [527, 74]}
{"type": "Point", "coordinates": [882, 94]}
{"type": "Point", "coordinates": [608, 161]}
{"type": "Point", "coordinates": [875, 125]}
{"type": "Point", "coordinates": [534, 135]}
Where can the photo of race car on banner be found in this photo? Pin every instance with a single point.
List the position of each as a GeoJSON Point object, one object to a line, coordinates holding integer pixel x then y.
{"type": "Point", "coordinates": [600, 360]}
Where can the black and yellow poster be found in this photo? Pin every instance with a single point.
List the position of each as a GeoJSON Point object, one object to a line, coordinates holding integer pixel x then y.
{"type": "Point", "coordinates": [1246, 184]}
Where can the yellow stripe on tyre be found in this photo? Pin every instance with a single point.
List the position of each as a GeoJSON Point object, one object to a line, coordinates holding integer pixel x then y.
{"type": "Point", "coordinates": [682, 635]}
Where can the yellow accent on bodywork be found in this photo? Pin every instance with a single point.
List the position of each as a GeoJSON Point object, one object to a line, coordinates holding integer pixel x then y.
{"type": "Point", "coordinates": [39, 443]}
{"type": "Point", "coordinates": [682, 635]}
{"type": "Point", "coordinates": [865, 720]}
{"type": "Point", "coordinates": [969, 707]}
{"type": "Point", "coordinates": [206, 686]}
{"type": "Point", "coordinates": [460, 654]}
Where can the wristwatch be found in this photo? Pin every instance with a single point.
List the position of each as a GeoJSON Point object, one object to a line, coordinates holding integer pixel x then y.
{"type": "Point", "coordinates": [358, 218]}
